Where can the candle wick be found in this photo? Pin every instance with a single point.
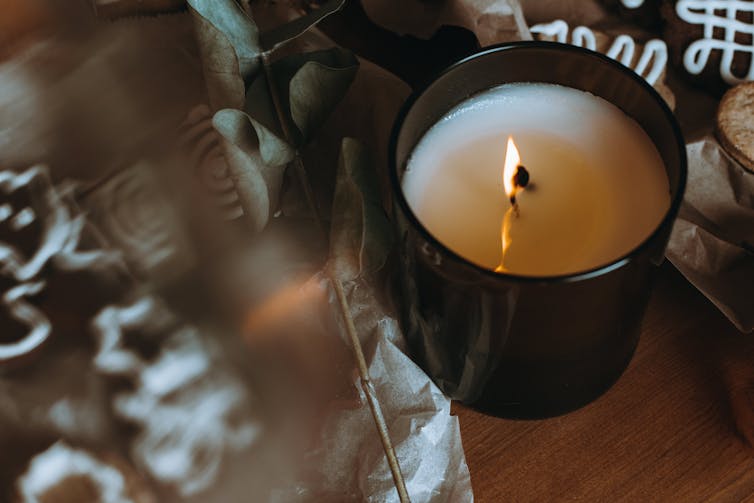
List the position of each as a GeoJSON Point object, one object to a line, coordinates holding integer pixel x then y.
{"type": "Point", "coordinates": [521, 178]}
{"type": "Point", "coordinates": [520, 181]}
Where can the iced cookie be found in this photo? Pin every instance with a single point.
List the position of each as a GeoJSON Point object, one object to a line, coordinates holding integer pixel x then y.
{"type": "Point", "coordinates": [645, 13]}
{"type": "Point", "coordinates": [44, 241]}
{"type": "Point", "coordinates": [62, 474]}
{"type": "Point", "coordinates": [647, 59]}
{"type": "Point", "coordinates": [735, 124]}
{"type": "Point", "coordinates": [712, 42]}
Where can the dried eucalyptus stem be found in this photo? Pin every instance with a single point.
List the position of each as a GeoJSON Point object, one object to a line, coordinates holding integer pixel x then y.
{"type": "Point", "coordinates": [366, 384]}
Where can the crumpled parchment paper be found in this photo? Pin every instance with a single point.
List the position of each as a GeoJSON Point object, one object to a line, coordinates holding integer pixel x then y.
{"type": "Point", "coordinates": [348, 463]}
{"type": "Point", "coordinates": [712, 242]}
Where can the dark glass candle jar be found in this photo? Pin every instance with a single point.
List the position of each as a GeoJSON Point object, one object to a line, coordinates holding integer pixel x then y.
{"type": "Point", "coordinates": [522, 346]}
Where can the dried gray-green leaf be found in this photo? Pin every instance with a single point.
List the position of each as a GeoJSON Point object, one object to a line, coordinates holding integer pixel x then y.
{"type": "Point", "coordinates": [257, 183]}
{"type": "Point", "coordinates": [229, 45]}
{"type": "Point", "coordinates": [262, 115]}
{"type": "Point", "coordinates": [309, 86]}
{"type": "Point", "coordinates": [315, 91]}
{"type": "Point", "coordinates": [279, 35]}
{"type": "Point", "coordinates": [360, 236]}
{"type": "Point", "coordinates": [319, 83]}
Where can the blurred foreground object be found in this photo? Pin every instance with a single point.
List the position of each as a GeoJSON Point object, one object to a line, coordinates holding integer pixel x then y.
{"type": "Point", "coordinates": [40, 229]}
{"type": "Point", "coordinates": [134, 212]}
{"type": "Point", "coordinates": [62, 474]}
{"type": "Point", "coordinates": [191, 410]}
{"type": "Point", "coordinates": [20, 22]}
{"type": "Point", "coordinates": [112, 9]}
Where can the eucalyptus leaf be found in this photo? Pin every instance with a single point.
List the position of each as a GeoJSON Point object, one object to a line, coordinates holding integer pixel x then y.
{"type": "Point", "coordinates": [229, 44]}
{"type": "Point", "coordinates": [261, 112]}
{"type": "Point", "coordinates": [274, 38]}
{"type": "Point", "coordinates": [309, 86]}
{"type": "Point", "coordinates": [360, 236]}
{"type": "Point", "coordinates": [315, 91]}
{"type": "Point", "coordinates": [257, 183]}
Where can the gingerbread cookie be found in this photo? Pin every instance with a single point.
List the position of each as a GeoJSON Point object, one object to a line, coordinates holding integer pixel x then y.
{"type": "Point", "coordinates": [645, 13]}
{"type": "Point", "coordinates": [648, 59]}
{"type": "Point", "coordinates": [62, 474]}
{"type": "Point", "coordinates": [42, 232]}
{"type": "Point", "coordinates": [712, 41]}
{"type": "Point", "coordinates": [186, 405]}
{"type": "Point", "coordinates": [735, 124]}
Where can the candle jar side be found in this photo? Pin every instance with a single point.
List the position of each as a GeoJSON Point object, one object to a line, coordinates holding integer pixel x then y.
{"type": "Point", "coordinates": [515, 349]}
{"type": "Point", "coordinates": [515, 346]}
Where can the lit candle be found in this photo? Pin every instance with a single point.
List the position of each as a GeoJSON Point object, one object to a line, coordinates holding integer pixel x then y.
{"type": "Point", "coordinates": [597, 184]}
{"type": "Point", "coordinates": [534, 188]}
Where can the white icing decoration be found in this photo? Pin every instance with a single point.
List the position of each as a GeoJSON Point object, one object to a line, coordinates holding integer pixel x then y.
{"type": "Point", "coordinates": [38, 325]}
{"type": "Point", "coordinates": [57, 230]}
{"type": "Point", "coordinates": [651, 63]}
{"type": "Point", "coordinates": [697, 54]}
{"type": "Point", "coordinates": [6, 210]}
{"type": "Point", "coordinates": [184, 406]}
{"type": "Point", "coordinates": [23, 218]}
{"type": "Point", "coordinates": [112, 358]}
{"type": "Point", "coordinates": [61, 462]}
{"type": "Point", "coordinates": [61, 231]}
{"type": "Point", "coordinates": [632, 4]}
{"type": "Point", "coordinates": [181, 361]}
{"type": "Point", "coordinates": [183, 441]}
{"type": "Point", "coordinates": [64, 415]}
{"type": "Point", "coordinates": [622, 50]}
{"type": "Point", "coordinates": [59, 238]}
{"type": "Point", "coordinates": [209, 161]}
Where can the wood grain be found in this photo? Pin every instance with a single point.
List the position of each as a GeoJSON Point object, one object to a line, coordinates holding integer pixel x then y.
{"type": "Point", "coordinates": [664, 432]}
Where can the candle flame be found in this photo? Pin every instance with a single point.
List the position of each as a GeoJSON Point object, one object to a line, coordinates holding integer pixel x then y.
{"type": "Point", "coordinates": [512, 161]}
{"type": "Point", "coordinates": [510, 167]}
{"type": "Point", "coordinates": [505, 232]}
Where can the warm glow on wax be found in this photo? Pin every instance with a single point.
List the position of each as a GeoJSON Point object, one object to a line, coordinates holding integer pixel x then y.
{"type": "Point", "coordinates": [573, 210]}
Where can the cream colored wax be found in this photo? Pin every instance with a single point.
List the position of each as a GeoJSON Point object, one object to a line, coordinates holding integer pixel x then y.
{"type": "Point", "coordinates": [598, 185]}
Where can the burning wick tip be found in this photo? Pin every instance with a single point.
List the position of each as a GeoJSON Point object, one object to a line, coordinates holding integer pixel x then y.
{"type": "Point", "coordinates": [521, 178]}
{"type": "Point", "coordinates": [520, 181]}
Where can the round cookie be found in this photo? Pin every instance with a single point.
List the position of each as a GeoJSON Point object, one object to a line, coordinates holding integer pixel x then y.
{"type": "Point", "coordinates": [713, 47]}
{"type": "Point", "coordinates": [735, 124]}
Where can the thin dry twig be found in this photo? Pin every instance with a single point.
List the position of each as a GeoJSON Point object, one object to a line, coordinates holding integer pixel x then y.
{"type": "Point", "coordinates": [365, 382]}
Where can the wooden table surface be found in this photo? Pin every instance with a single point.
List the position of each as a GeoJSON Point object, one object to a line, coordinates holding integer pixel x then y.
{"type": "Point", "coordinates": [664, 432]}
